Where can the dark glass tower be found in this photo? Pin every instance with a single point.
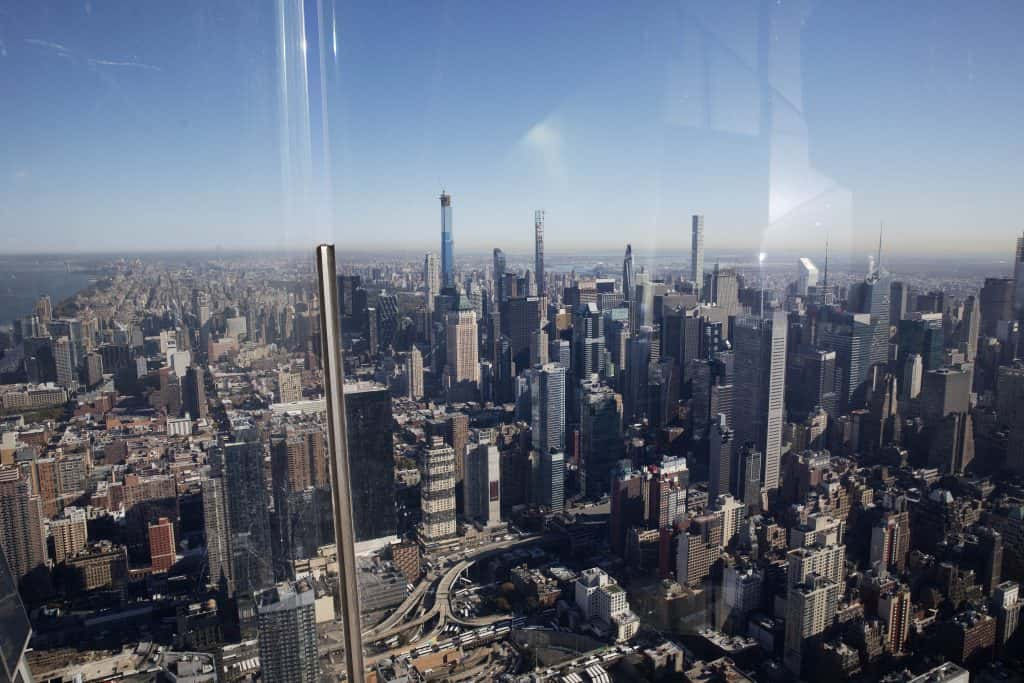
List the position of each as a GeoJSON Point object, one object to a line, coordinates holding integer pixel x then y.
{"type": "Point", "coordinates": [371, 460]}
{"type": "Point", "coordinates": [248, 518]}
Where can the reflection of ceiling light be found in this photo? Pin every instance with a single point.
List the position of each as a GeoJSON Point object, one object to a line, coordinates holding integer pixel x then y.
{"type": "Point", "coordinates": [760, 257]}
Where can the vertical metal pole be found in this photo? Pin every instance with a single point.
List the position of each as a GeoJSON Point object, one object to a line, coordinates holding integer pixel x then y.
{"type": "Point", "coordinates": [344, 533]}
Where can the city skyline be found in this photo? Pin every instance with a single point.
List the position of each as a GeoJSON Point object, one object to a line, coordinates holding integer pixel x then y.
{"type": "Point", "coordinates": [149, 167]}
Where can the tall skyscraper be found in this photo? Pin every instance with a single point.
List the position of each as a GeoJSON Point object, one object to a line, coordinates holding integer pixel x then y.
{"type": "Point", "coordinates": [371, 460]}
{"type": "Point", "coordinates": [437, 492]}
{"type": "Point", "coordinates": [21, 532]}
{"type": "Point", "coordinates": [483, 484]}
{"type": "Point", "coordinates": [286, 617]}
{"type": "Point", "coordinates": [720, 456]}
{"type": "Point", "coordinates": [627, 274]}
{"type": "Point", "coordinates": [431, 278]}
{"type": "Point", "coordinates": [760, 367]}
{"type": "Point", "coordinates": [552, 480]}
{"type": "Point", "coordinates": [807, 276]}
{"type": "Point", "coordinates": [600, 436]}
{"type": "Point", "coordinates": [462, 369]}
{"type": "Point", "coordinates": [520, 317]}
{"type": "Point", "coordinates": [447, 243]}
{"type": "Point", "coordinates": [697, 253]}
{"type": "Point", "coordinates": [1018, 276]}
{"type": "Point", "coordinates": [15, 630]}
{"type": "Point", "coordinates": [588, 341]}
{"type": "Point", "coordinates": [538, 237]}
{"type": "Point", "coordinates": [414, 373]}
{"type": "Point", "coordinates": [547, 400]}
{"type": "Point", "coordinates": [195, 393]}
{"type": "Point", "coordinates": [997, 303]}
{"type": "Point", "coordinates": [218, 540]}
{"type": "Point", "coordinates": [248, 516]}
{"type": "Point", "coordinates": [64, 358]}
{"type": "Point", "coordinates": [499, 277]}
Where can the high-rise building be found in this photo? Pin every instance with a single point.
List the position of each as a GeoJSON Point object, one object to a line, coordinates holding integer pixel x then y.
{"type": "Point", "coordinates": [499, 277]}
{"type": "Point", "coordinates": [896, 610]}
{"type": "Point", "coordinates": [194, 390]}
{"type": "Point", "coordinates": [552, 480]}
{"type": "Point", "coordinates": [483, 484]}
{"type": "Point", "coordinates": [520, 317]}
{"type": "Point", "coordinates": [162, 551]}
{"type": "Point", "coordinates": [414, 373]}
{"type": "Point", "coordinates": [997, 303]}
{"type": "Point", "coordinates": [600, 436]}
{"type": "Point", "coordinates": [720, 456]}
{"type": "Point", "coordinates": [431, 278]}
{"type": "Point", "coordinates": [547, 401]}
{"type": "Point", "coordinates": [70, 534]}
{"type": "Point", "coordinates": [748, 478]}
{"type": "Point", "coordinates": [437, 492]}
{"type": "Point", "coordinates": [850, 336]}
{"type": "Point", "coordinates": [21, 532]}
{"type": "Point", "coordinates": [1007, 603]}
{"type": "Point", "coordinates": [538, 242]}
{"type": "Point", "coordinates": [760, 371]}
{"type": "Point", "coordinates": [1018, 276]}
{"type": "Point", "coordinates": [697, 252]}
{"type": "Point", "coordinates": [810, 609]}
{"type": "Point", "coordinates": [447, 243]}
{"type": "Point", "coordinates": [807, 275]}
{"type": "Point", "coordinates": [462, 369]}
{"type": "Point", "coordinates": [890, 541]}
{"type": "Point", "coordinates": [371, 460]}
{"type": "Point", "coordinates": [286, 618]}
{"type": "Point", "coordinates": [15, 630]}
{"type": "Point", "coordinates": [539, 348]}
{"type": "Point", "coordinates": [588, 341]}
{"type": "Point", "coordinates": [899, 302]}
{"type": "Point", "coordinates": [248, 517]}
{"type": "Point", "coordinates": [218, 538]}
{"type": "Point", "coordinates": [64, 358]}
{"type": "Point", "coordinates": [628, 281]}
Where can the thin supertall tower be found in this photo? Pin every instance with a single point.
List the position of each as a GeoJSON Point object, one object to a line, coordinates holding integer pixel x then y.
{"type": "Point", "coordinates": [627, 274]}
{"type": "Point", "coordinates": [538, 241]}
{"type": "Point", "coordinates": [697, 253]}
{"type": "Point", "coordinates": [447, 243]}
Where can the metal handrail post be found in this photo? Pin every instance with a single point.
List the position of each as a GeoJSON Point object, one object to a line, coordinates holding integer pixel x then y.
{"type": "Point", "coordinates": [344, 532]}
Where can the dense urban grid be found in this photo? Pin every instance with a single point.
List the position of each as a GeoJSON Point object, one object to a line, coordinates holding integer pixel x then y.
{"type": "Point", "coordinates": [712, 472]}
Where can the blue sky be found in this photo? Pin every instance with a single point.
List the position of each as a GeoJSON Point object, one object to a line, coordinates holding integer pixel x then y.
{"type": "Point", "coordinates": [146, 125]}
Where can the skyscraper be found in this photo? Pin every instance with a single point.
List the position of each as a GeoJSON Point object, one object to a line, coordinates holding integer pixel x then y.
{"type": "Point", "coordinates": [760, 366]}
{"type": "Point", "coordinates": [248, 518]}
{"type": "Point", "coordinates": [431, 278]}
{"type": "Point", "coordinates": [807, 276]}
{"type": "Point", "coordinates": [286, 615]}
{"type": "Point", "coordinates": [21, 532]}
{"type": "Point", "coordinates": [462, 369]}
{"type": "Point", "coordinates": [15, 630]}
{"type": "Point", "coordinates": [218, 540]}
{"type": "Point", "coordinates": [194, 391]}
{"type": "Point", "coordinates": [483, 484]}
{"type": "Point", "coordinates": [810, 609]}
{"type": "Point", "coordinates": [447, 243]}
{"type": "Point", "coordinates": [547, 400]}
{"type": "Point", "coordinates": [414, 373]}
{"type": "Point", "coordinates": [371, 460]}
{"type": "Point", "coordinates": [720, 452]}
{"type": "Point", "coordinates": [538, 236]}
{"type": "Point", "coordinates": [600, 436]}
{"type": "Point", "coordinates": [1018, 276]}
{"type": "Point", "coordinates": [552, 480]}
{"type": "Point", "coordinates": [697, 253]}
{"type": "Point", "coordinates": [499, 277]}
{"type": "Point", "coordinates": [437, 492]}
{"type": "Point", "coordinates": [588, 341]}
{"type": "Point", "coordinates": [627, 274]}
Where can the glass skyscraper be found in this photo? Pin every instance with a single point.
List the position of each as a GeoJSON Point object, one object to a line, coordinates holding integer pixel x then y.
{"type": "Point", "coordinates": [447, 243]}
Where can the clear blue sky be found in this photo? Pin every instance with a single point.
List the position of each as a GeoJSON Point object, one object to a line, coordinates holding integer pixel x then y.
{"type": "Point", "coordinates": [147, 125]}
